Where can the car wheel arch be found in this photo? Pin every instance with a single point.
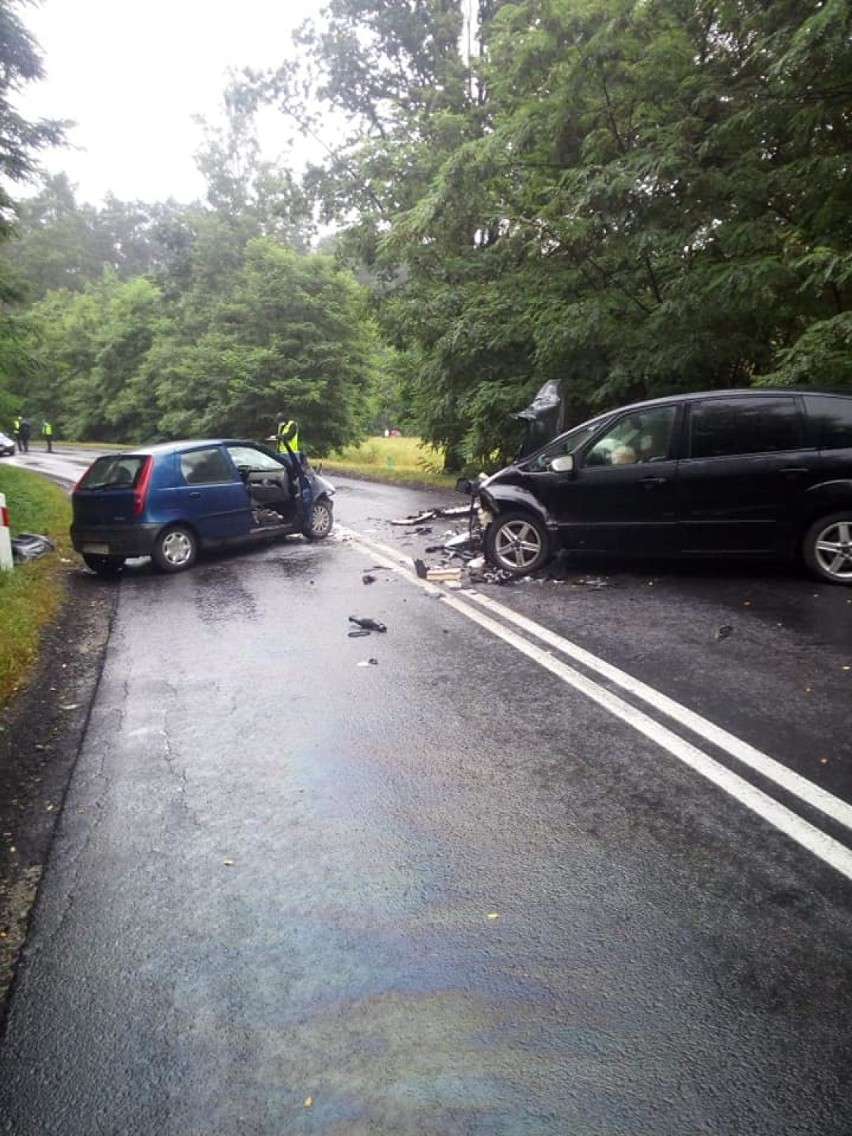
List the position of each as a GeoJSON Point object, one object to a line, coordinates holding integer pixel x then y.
{"type": "Point", "coordinates": [819, 501]}
{"type": "Point", "coordinates": [517, 502]}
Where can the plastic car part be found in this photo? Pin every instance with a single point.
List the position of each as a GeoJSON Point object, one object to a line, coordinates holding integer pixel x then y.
{"type": "Point", "coordinates": [175, 549]}
{"type": "Point", "coordinates": [30, 546]}
{"type": "Point", "coordinates": [366, 623]}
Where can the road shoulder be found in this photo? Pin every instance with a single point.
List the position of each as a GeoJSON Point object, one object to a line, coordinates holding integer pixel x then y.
{"type": "Point", "coordinates": [40, 735]}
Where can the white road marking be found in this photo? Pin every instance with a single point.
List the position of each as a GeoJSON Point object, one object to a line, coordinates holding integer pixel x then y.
{"type": "Point", "coordinates": [829, 850]}
{"type": "Point", "coordinates": [758, 761]}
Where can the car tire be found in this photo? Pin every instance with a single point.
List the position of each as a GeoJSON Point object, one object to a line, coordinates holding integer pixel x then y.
{"type": "Point", "coordinates": [322, 519]}
{"type": "Point", "coordinates": [517, 543]}
{"type": "Point", "coordinates": [827, 547]}
{"type": "Point", "coordinates": [175, 549]}
{"type": "Point", "coordinates": [107, 567]}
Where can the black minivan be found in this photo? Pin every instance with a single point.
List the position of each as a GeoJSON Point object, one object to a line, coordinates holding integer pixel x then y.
{"type": "Point", "coordinates": [720, 473]}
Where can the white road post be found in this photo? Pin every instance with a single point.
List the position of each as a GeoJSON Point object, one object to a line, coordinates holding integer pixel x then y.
{"type": "Point", "coordinates": [6, 561]}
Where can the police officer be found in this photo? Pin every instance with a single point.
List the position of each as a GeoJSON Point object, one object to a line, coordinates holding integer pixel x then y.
{"type": "Point", "coordinates": [16, 429]}
{"type": "Point", "coordinates": [24, 435]}
{"type": "Point", "coordinates": [47, 434]}
{"type": "Point", "coordinates": [286, 431]}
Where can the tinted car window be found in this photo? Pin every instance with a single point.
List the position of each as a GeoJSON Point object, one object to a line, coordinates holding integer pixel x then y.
{"type": "Point", "coordinates": [832, 418]}
{"type": "Point", "coordinates": [725, 426]}
{"type": "Point", "coordinates": [113, 472]}
{"type": "Point", "coordinates": [201, 467]}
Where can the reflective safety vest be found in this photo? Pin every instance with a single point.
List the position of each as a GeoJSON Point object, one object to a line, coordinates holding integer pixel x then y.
{"type": "Point", "coordinates": [16, 424]}
{"type": "Point", "coordinates": [47, 430]}
{"type": "Point", "coordinates": [288, 432]}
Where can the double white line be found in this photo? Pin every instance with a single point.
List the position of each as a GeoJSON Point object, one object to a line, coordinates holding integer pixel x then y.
{"type": "Point", "coordinates": [467, 603]}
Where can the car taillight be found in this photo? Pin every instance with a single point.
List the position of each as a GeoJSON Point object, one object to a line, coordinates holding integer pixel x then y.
{"type": "Point", "coordinates": [141, 490]}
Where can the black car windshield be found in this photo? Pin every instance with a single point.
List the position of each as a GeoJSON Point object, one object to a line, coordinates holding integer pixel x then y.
{"type": "Point", "coordinates": [564, 444]}
{"type": "Point", "coordinates": [117, 471]}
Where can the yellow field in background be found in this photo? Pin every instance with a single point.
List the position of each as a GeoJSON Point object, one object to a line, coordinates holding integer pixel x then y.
{"type": "Point", "coordinates": [392, 459]}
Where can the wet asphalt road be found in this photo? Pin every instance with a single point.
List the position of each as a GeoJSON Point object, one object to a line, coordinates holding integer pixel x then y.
{"type": "Point", "coordinates": [445, 891]}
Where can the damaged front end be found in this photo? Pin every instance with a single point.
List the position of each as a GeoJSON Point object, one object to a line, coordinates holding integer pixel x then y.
{"type": "Point", "coordinates": [512, 528]}
{"type": "Point", "coordinates": [478, 516]}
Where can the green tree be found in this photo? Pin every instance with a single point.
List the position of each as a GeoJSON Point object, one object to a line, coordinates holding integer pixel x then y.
{"type": "Point", "coordinates": [20, 142]}
{"type": "Point", "coordinates": [402, 77]}
{"type": "Point", "coordinates": [631, 198]}
{"type": "Point", "coordinates": [91, 348]}
{"type": "Point", "coordinates": [261, 196]}
{"type": "Point", "coordinates": [255, 330]}
{"type": "Point", "coordinates": [291, 334]}
{"type": "Point", "coordinates": [60, 243]}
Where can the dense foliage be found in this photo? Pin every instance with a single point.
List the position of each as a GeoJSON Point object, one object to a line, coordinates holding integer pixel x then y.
{"type": "Point", "coordinates": [256, 329]}
{"type": "Point", "coordinates": [151, 322]}
{"type": "Point", "coordinates": [20, 141]}
{"type": "Point", "coordinates": [630, 196]}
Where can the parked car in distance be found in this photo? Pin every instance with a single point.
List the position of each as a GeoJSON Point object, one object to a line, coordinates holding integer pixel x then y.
{"type": "Point", "coordinates": [172, 500]}
{"type": "Point", "coordinates": [721, 473]}
{"type": "Point", "coordinates": [7, 446]}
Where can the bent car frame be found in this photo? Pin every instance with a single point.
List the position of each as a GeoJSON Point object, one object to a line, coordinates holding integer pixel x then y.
{"type": "Point", "coordinates": [738, 473]}
{"type": "Point", "coordinates": [170, 501]}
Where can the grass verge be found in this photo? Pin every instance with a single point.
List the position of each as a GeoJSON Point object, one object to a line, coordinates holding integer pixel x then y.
{"type": "Point", "coordinates": [401, 460]}
{"type": "Point", "coordinates": [31, 593]}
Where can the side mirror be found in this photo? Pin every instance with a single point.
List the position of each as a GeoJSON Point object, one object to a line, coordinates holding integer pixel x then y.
{"type": "Point", "coordinates": [563, 464]}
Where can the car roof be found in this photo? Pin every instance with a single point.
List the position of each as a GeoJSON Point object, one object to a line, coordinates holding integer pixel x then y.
{"type": "Point", "coordinates": [181, 446]}
{"type": "Point", "coordinates": [726, 392]}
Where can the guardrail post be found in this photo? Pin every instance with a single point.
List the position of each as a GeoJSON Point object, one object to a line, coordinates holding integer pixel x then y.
{"type": "Point", "coordinates": [6, 561]}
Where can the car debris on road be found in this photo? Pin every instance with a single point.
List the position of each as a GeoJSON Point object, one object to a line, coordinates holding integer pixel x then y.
{"type": "Point", "coordinates": [30, 546]}
{"type": "Point", "coordinates": [460, 557]}
{"type": "Point", "coordinates": [432, 514]}
{"type": "Point", "coordinates": [366, 623]}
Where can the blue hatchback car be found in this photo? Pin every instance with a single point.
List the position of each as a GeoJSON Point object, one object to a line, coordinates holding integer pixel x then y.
{"type": "Point", "coordinates": [171, 500]}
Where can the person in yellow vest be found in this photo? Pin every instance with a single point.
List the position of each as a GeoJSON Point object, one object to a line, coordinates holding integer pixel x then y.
{"type": "Point", "coordinates": [47, 434]}
{"type": "Point", "coordinates": [287, 431]}
{"type": "Point", "coordinates": [16, 429]}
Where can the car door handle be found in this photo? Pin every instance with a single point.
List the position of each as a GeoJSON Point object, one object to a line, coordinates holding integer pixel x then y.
{"type": "Point", "coordinates": [650, 482]}
{"type": "Point", "coordinates": [794, 469]}
{"type": "Point", "coordinates": [195, 493]}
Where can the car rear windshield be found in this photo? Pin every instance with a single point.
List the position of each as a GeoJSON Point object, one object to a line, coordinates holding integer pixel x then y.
{"type": "Point", "coordinates": [119, 471]}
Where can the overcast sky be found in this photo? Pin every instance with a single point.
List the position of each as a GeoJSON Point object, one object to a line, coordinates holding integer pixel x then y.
{"type": "Point", "coordinates": [132, 75]}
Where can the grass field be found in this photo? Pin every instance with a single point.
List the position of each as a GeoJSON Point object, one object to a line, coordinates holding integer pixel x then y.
{"type": "Point", "coordinates": [30, 594]}
{"type": "Point", "coordinates": [392, 459]}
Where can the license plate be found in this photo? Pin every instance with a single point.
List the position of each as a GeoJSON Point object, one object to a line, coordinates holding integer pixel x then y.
{"type": "Point", "coordinates": [97, 549]}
